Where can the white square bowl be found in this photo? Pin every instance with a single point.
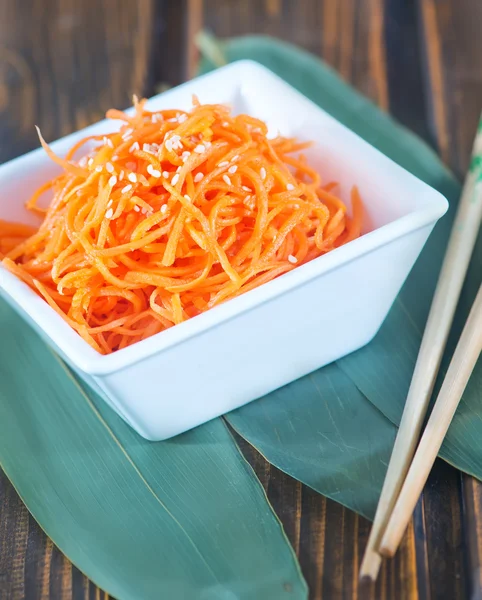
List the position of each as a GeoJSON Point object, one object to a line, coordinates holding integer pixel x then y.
{"type": "Point", "coordinates": [251, 345]}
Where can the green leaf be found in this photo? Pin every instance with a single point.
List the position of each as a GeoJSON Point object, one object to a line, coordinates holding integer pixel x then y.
{"type": "Point", "coordinates": [185, 518]}
{"type": "Point", "coordinates": [322, 430]}
{"type": "Point", "coordinates": [379, 373]}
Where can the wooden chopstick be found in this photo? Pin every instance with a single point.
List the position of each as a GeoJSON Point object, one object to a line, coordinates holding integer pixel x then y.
{"type": "Point", "coordinates": [463, 362]}
{"type": "Point", "coordinates": [452, 275]}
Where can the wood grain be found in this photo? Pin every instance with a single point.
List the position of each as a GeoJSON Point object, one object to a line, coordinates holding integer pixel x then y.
{"type": "Point", "coordinates": [418, 59]}
{"type": "Point", "coordinates": [472, 492]}
{"type": "Point", "coordinates": [47, 76]}
{"type": "Point", "coordinates": [452, 47]}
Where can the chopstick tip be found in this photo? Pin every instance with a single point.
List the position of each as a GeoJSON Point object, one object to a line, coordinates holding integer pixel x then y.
{"type": "Point", "coordinates": [387, 551]}
{"type": "Point", "coordinates": [370, 566]}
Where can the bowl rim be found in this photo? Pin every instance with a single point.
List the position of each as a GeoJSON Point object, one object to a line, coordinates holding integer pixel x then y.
{"type": "Point", "coordinates": [83, 357]}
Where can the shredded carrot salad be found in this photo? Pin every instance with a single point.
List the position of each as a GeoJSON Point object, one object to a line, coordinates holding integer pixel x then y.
{"type": "Point", "coordinates": [170, 216]}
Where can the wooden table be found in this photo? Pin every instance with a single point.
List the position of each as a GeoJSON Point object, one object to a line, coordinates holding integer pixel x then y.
{"type": "Point", "coordinates": [62, 63]}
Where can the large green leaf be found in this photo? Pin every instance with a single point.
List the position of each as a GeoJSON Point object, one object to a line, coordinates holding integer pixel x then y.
{"type": "Point", "coordinates": [322, 430]}
{"type": "Point", "coordinates": [185, 518]}
{"type": "Point", "coordinates": [380, 373]}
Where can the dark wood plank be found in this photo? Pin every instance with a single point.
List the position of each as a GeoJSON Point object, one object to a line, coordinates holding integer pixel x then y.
{"type": "Point", "coordinates": [472, 493]}
{"type": "Point", "coordinates": [443, 524]}
{"type": "Point", "coordinates": [72, 62]}
{"type": "Point", "coordinates": [13, 542]}
{"type": "Point", "coordinates": [403, 45]}
{"type": "Point", "coordinates": [453, 46]}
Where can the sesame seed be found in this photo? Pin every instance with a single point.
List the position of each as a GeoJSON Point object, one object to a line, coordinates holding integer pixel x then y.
{"type": "Point", "coordinates": [232, 169]}
{"type": "Point", "coordinates": [135, 146]}
{"type": "Point", "coordinates": [207, 144]}
{"type": "Point", "coordinates": [83, 161]}
{"type": "Point", "coordinates": [235, 158]}
{"type": "Point", "coordinates": [112, 181]}
{"type": "Point", "coordinates": [121, 175]}
{"type": "Point", "coordinates": [182, 118]}
{"type": "Point", "coordinates": [109, 214]}
{"type": "Point", "coordinates": [132, 177]}
{"type": "Point", "coordinates": [178, 170]}
{"type": "Point", "coordinates": [152, 171]}
{"type": "Point", "coordinates": [98, 169]}
{"type": "Point", "coordinates": [223, 163]}
{"type": "Point", "coordinates": [200, 148]}
{"type": "Point", "coordinates": [290, 187]}
{"type": "Point", "coordinates": [173, 143]}
{"type": "Point", "coordinates": [262, 172]}
{"type": "Point", "coordinates": [109, 204]}
{"type": "Point", "coordinates": [115, 157]}
{"type": "Point", "coordinates": [173, 120]}
{"type": "Point", "coordinates": [109, 167]}
{"type": "Point", "coordinates": [108, 142]}
{"type": "Point", "coordinates": [165, 174]}
{"type": "Point", "coordinates": [126, 188]}
{"type": "Point", "coordinates": [90, 162]}
{"type": "Point", "coordinates": [127, 134]}
{"type": "Point", "coordinates": [225, 124]}
{"type": "Point", "coordinates": [188, 198]}
{"type": "Point", "coordinates": [185, 155]}
{"type": "Point", "coordinates": [198, 177]}
{"type": "Point", "coordinates": [136, 208]}
{"type": "Point", "coordinates": [175, 179]}
{"type": "Point", "coordinates": [246, 188]}
{"type": "Point", "coordinates": [163, 208]}
{"type": "Point", "coordinates": [226, 179]}
{"type": "Point", "coordinates": [293, 260]}
{"type": "Point", "coordinates": [147, 148]}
